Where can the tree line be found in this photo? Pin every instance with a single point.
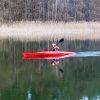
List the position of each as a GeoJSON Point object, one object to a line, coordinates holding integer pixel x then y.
{"type": "Point", "coordinates": [49, 10]}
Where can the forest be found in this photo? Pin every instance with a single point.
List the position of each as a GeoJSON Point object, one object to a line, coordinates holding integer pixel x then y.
{"type": "Point", "coordinates": [49, 10]}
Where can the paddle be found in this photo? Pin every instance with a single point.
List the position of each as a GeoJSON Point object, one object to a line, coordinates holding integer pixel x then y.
{"type": "Point", "coordinates": [61, 40]}
{"type": "Point", "coordinates": [60, 70]}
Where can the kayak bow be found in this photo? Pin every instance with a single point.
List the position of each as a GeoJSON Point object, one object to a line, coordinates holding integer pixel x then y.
{"type": "Point", "coordinates": [47, 55]}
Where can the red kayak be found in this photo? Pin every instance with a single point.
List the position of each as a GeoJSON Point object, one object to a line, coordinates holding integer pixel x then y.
{"type": "Point", "coordinates": [47, 55]}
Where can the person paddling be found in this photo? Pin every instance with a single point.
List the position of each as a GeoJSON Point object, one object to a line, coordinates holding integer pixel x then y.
{"type": "Point", "coordinates": [55, 47]}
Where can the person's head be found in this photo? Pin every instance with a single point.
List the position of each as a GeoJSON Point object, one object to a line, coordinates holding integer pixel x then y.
{"type": "Point", "coordinates": [53, 44]}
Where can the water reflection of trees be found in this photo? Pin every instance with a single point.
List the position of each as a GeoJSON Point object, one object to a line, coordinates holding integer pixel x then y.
{"type": "Point", "coordinates": [81, 76]}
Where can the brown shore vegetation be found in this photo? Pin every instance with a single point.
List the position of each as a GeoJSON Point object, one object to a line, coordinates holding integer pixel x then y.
{"type": "Point", "coordinates": [37, 31]}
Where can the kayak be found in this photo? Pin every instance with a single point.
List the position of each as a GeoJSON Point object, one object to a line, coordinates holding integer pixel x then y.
{"type": "Point", "coordinates": [47, 55]}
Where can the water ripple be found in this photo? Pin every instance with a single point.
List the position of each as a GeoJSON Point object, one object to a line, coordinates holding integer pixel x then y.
{"type": "Point", "coordinates": [87, 54]}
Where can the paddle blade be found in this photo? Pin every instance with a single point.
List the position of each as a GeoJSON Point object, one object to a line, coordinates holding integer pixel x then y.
{"type": "Point", "coordinates": [61, 40]}
{"type": "Point", "coordinates": [61, 70]}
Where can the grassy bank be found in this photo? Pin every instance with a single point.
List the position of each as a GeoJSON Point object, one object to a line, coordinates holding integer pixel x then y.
{"type": "Point", "coordinates": [37, 31]}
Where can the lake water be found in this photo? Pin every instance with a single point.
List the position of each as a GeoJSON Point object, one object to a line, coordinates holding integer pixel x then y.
{"type": "Point", "coordinates": [39, 80]}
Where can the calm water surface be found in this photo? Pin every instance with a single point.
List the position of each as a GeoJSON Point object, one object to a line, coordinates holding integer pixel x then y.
{"type": "Point", "coordinates": [39, 80]}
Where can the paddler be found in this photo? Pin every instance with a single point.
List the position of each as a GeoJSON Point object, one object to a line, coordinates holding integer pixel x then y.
{"type": "Point", "coordinates": [55, 47]}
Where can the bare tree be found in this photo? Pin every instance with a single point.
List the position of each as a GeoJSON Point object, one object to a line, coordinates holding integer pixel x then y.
{"type": "Point", "coordinates": [50, 10]}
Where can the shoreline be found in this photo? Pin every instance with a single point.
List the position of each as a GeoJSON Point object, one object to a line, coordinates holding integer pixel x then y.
{"type": "Point", "coordinates": [38, 31]}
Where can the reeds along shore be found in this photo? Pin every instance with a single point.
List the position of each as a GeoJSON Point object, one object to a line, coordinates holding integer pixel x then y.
{"type": "Point", "coordinates": [38, 31]}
